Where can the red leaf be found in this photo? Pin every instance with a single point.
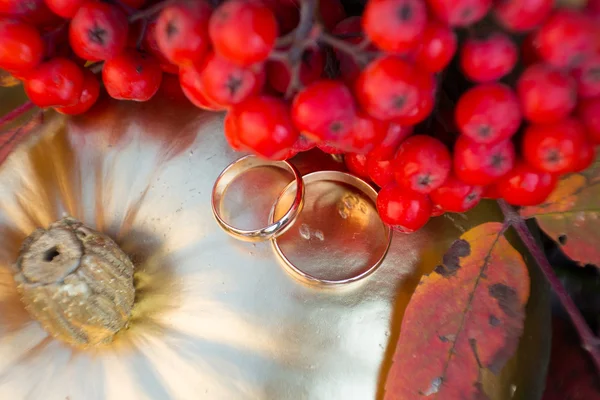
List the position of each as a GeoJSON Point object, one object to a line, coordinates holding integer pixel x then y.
{"type": "Point", "coordinates": [466, 316]}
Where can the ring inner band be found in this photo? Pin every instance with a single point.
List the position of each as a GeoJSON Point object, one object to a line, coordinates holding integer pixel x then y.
{"type": "Point", "coordinates": [274, 228]}
{"type": "Point", "coordinates": [339, 237]}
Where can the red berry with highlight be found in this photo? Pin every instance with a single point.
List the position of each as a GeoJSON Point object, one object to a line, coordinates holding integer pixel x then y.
{"type": "Point", "coordinates": [21, 45]}
{"type": "Point", "coordinates": [390, 88]}
{"type": "Point", "coordinates": [395, 25]}
{"type": "Point", "coordinates": [522, 15]}
{"type": "Point", "coordinates": [566, 38]}
{"type": "Point", "coordinates": [456, 196]}
{"type": "Point", "coordinates": [87, 98]}
{"type": "Point", "coordinates": [422, 163]}
{"type": "Point", "coordinates": [589, 114]}
{"type": "Point", "coordinates": [265, 126]}
{"type": "Point", "coordinates": [546, 94]}
{"type": "Point", "coordinates": [182, 32]}
{"type": "Point", "coordinates": [64, 8]}
{"type": "Point", "coordinates": [151, 46]}
{"type": "Point", "coordinates": [132, 75]}
{"type": "Point", "coordinates": [324, 111]}
{"type": "Point", "coordinates": [357, 164]}
{"type": "Point", "coordinates": [438, 44]}
{"type": "Point", "coordinates": [556, 147]}
{"type": "Point", "coordinates": [402, 209]}
{"type": "Point", "coordinates": [231, 132]}
{"type": "Point", "coordinates": [482, 164]}
{"type": "Point", "coordinates": [225, 83]}
{"type": "Point", "coordinates": [311, 68]}
{"type": "Point", "coordinates": [460, 12]}
{"type": "Point", "coordinates": [526, 186]}
{"type": "Point", "coordinates": [191, 84]}
{"type": "Point", "coordinates": [489, 59]}
{"type": "Point", "coordinates": [243, 31]}
{"type": "Point", "coordinates": [366, 133]}
{"type": "Point", "coordinates": [55, 83]}
{"type": "Point", "coordinates": [587, 75]}
{"type": "Point", "coordinates": [380, 169]}
{"type": "Point", "coordinates": [488, 113]}
{"type": "Point", "coordinates": [98, 31]}
{"type": "Point", "coordinates": [394, 136]}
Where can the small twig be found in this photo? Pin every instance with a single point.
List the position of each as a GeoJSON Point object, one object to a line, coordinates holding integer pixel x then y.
{"type": "Point", "coordinates": [16, 113]}
{"type": "Point", "coordinates": [96, 67]}
{"type": "Point", "coordinates": [352, 50]}
{"type": "Point", "coordinates": [286, 40]}
{"type": "Point", "coordinates": [140, 40]}
{"type": "Point", "coordinates": [307, 18]}
{"type": "Point", "coordinates": [589, 340]}
{"type": "Point", "coordinates": [150, 11]}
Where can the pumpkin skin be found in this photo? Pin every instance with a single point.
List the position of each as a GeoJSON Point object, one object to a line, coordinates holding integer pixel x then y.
{"type": "Point", "coordinates": [76, 282]}
{"type": "Point", "coordinates": [213, 317]}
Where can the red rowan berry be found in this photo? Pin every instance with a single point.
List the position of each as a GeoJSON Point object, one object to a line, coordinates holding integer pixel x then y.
{"type": "Point", "coordinates": [455, 195]}
{"type": "Point", "coordinates": [182, 32]}
{"type": "Point", "coordinates": [324, 111]}
{"type": "Point", "coordinates": [422, 163]}
{"type": "Point", "coordinates": [522, 15]}
{"type": "Point", "coordinates": [390, 88]}
{"type": "Point", "coordinates": [589, 114]}
{"type": "Point", "coordinates": [380, 169]}
{"type": "Point", "coordinates": [438, 45]}
{"type": "Point", "coordinates": [365, 134]}
{"type": "Point", "coordinates": [488, 113]}
{"type": "Point", "coordinates": [132, 75]}
{"type": "Point", "coordinates": [566, 38]}
{"type": "Point", "coordinates": [98, 31]}
{"type": "Point", "coordinates": [21, 45]}
{"type": "Point", "coordinates": [587, 75]}
{"type": "Point", "coordinates": [243, 31]}
{"type": "Point", "coordinates": [547, 95]}
{"type": "Point", "coordinates": [482, 164]}
{"type": "Point", "coordinates": [460, 12]}
{"type": "Point", "coordinates": [64, 8]}
{"type": "Point", "coordinates": [225, 83]}
{"type": "Point", "coordinates": [489, 59]}
{"type": "Point", "coordinates": [87, 98]}
{"type": "Point", "coordinates": [265, 126]}
{"type": "Point", "coordinates": [55, 83]}
{"type": "Point", "coordinates": [395, 25]}
{"type": "Point", "coordinates": [357, 164]}
{"type": "Point", "coordinates": [403, 209]}
{"type": "Point", "coordinates": [526, 186]}
{"type": "Point", "coordinates": [191, 84]}
{"type": "Point", "coordinates": [554, 147]}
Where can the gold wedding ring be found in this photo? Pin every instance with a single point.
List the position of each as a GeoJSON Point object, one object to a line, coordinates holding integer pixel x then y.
{"type": "Point", "coordinates": [275, 228]}
{"type": "Point", "coordinates": [333, 218]}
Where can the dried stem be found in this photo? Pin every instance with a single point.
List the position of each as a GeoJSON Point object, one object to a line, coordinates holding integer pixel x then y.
{"type": "Point", "coordinates": [16, 113]}
{"type": "Point", "coordinates": [356, 52]}
{"type": "Point", "coordinates": [589, 340]}
{"type": "Point", "coordinates": [307, 14]}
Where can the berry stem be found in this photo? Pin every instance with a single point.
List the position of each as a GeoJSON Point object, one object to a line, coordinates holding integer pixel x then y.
{"type": "Point", "coordinates": [307, 14]}
{"type": "Point", "coordinates": [361, 57]}
{"type": "Point", "coordinates": [16, 113]}
{"type": "Point", "coordinates": [150, 11]}
{"type": "Point", "coordinates": [589, 340]}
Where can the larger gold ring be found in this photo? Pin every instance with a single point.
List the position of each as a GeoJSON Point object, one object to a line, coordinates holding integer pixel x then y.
{"type": "Point", "coordinates": [275, 228]}
{"type": "Point", "coordinates": [344, 178]}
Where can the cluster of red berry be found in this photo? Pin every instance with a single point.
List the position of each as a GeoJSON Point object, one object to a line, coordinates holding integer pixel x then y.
{"type": "Point", "coordinates": [298, 74]}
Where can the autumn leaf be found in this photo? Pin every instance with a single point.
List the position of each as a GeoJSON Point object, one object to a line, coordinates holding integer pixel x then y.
{"type": "Point", "coordinates": [464, 317]}
{"type": "Point", "coordinates": [571, 215]}
{"type": "Point", "coordinates": [7, 80]}
{"type": "Point", "coordinates": [10, 138]}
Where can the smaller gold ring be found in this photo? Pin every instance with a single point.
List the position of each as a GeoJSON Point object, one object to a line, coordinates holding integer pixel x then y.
{"type": "Point", "coordinates": [275, 228]}
{"type": "Point", "coordinates": [341, 177]}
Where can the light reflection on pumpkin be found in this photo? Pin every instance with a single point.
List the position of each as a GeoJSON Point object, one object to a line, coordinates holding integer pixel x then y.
{"type": "Point", "coordinates": [214, 318]}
